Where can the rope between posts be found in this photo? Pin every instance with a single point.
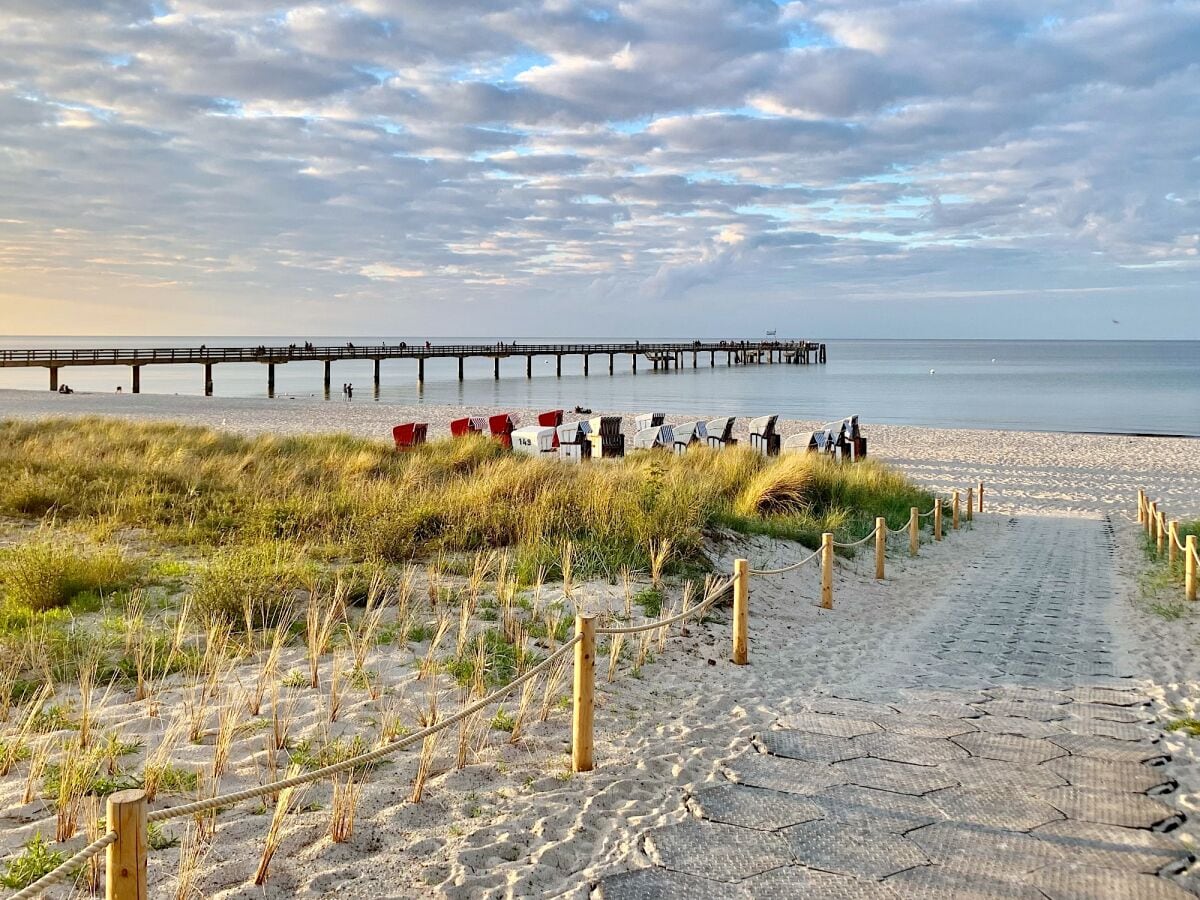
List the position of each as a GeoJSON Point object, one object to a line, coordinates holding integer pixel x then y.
{"type": "Point", "coordinates": [795, 565]}
{"type": "Point", "coordinates": [191, 809]}
{"type": "Point", "coordinates": [860, 541]}
{"type": "Point", "coordinates": [698, 611]}
{"type": "Point", "coordinates": [64, 870]}
{"type": "Point", "coordinates": [926, 515]}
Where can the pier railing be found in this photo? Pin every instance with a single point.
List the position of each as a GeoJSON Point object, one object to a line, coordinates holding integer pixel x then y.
{"type": "Point", "coordinates": [128, 817]}
{"type": "Point", "coordinates": [264, 353]}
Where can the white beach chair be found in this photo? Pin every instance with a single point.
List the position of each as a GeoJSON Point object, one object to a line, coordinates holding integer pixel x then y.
{"type": "Point", "coordinates": [533, 439]}
{"type": "Point", "coordinates": [719, 432]}
{"type": "Point", "coordinates": [762, 435]}
{"type": "Point", "coordinates": [688, 433]}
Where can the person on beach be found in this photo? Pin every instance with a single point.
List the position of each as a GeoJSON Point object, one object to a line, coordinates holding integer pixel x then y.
{"type": "Point", "coordinates": [350, 392]}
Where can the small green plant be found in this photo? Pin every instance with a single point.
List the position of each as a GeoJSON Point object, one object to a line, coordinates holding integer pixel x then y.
{"type": "Point", "coordinates": [1189, 726]}
{"type": "Point", "coordinates": [650, 600]}
{"type": "Point", "coordinates": [34, 861]}
{"type": "Point", "coordinates": [159, 839]}
{"type": "Point", "coordinates": [173, 780]}
{"type": "Point", "coordinates": [260, 577]}
{"type": "Point", "coordinates": [1170, 611]}
{"type": "Point", "coordinates": [503, 721]}
{"type": "Point", "coordinates": [295, 679]}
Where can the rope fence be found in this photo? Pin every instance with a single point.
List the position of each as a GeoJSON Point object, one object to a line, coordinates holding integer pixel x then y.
{"type": "Point", "coordinates": [1164, 535]}
{"type": "Point", "coordinates": [126, 845]}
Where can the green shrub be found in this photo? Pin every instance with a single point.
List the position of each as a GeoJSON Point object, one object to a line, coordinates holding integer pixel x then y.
{"type": "Point", "coordinates": [44, 574]}
{"type": "Point", "coordinates": [260, 577]}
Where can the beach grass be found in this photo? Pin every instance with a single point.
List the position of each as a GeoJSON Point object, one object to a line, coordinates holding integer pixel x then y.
{"type": "Point", "coordinates": [284, 501]}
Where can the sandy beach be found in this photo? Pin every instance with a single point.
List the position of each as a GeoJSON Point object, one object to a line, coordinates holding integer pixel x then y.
{"type": "Point", "coordinates": [516, 823]}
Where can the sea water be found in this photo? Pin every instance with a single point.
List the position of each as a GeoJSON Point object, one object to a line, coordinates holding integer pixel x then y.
{"type": "Point", "coordinates": [1134, 387]}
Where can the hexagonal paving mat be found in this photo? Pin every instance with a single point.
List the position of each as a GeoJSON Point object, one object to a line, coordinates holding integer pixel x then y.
{"type": "Point", "coordinates": [780, 774]}
{"type": "Point", "coordinates": [941, 709]}
{"type": "Point", "coordinates": [919, 751]}
{"type": "Point", "coordinates": [752, 807]}
{"type": "Point", "coordinates": [838, 706]}
{"type": "Point", "coordinates": [1109, 808]}
{"type": "Point", "coordinates": [1111, 847]}
{"type": "Point", "coordinates": [719, 852]}
{"type": "Point", "coordinates": [659, 884]}
{"type": "Point", "coordinates": [994, 807]}
{"type": "Point", "coordinates": [836, 847]}
{"type": "Point", "coordinates": [1120, 731]}
{"type": "Point", "coordinates": [1032, 709]}
{"type": "Point", "coordinates": [940, 883]}
{"type": "Point", "coordinates": [807, 746]}
{"type": "Point", "coordinates": [1107, 748]}
{"type": "Point", "coordinates": [791, 882]}
{"type": "Point", "coordinates": [1128, 714]}
{"type": "Point", "coordinates": [992, 773]}
{"type": "Point", "coordinates": [884, 775]}
{"type": "Point", "coordinates": [990, 852]}
{"type": "Point", "coordinates": [834, 726]}
{"type": "Point", "coordinates": [928, 726]}
{"type": "Point", "coordinates": [1026, 694]}
{"type": "Point", "coordinates": [1107, 696]}
{"type": "Point", "coordinates": [1134, 778]}
{"type": "Point", "coordinates": [872, 810]}
{"type": "Point", "coordinates": [1031, 728]}
{"type": "Point", "coordinates": [1066, 882]}
{"type": "Point", "coordinates": [1010, 747]}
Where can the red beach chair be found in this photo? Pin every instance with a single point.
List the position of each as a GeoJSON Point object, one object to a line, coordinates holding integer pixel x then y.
{"type": "Point", "coordinates": [468, 425]}
{"type": "Point", "coordinates": [551, 419]}
{"type": "Point", "coordinates": [409, 435]}
{"type": "Point", "coordinates": [501, 426]}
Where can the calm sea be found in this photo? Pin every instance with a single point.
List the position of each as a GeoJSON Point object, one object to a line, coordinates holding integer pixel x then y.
{"type": "Point", "coordinates": [1137, 387]}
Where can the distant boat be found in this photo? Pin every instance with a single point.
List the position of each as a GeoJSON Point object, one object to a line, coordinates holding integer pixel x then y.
{"type": "Point", "coordinates": [771, 333]}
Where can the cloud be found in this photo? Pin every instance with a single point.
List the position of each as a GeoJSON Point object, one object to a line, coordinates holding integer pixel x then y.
{"type": "Point", "coordinates": [542, 152]}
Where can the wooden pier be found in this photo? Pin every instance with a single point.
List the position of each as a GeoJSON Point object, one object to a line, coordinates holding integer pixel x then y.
{"type": "Point", "coordinates": [660, 356]}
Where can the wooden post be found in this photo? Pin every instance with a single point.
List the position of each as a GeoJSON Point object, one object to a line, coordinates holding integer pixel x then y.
{"type": "Point", "coordinates": [328, 374]}
{"type": "Point", "coordinates": [586, 359]}
{"type": "Point", "coordinates": [881, 532]}
{"type": "Point", "coordinates": [954, 516]}
{"type": "Point", "coordinates": [1141, 506]}
{"type": "Point", "coordinates": [125, 875]}
{"type": "Point", "coordinates": [980, 486]}
{"type": "Point", "coordinates": [137, 379]}
{"type": "Point", "coordinates": [54, 378]}
{"type": "Point", "coordinates": [529, 365]}
{"type": "Point", "coordinates": [635, 364]}
{"type": "Point", "coordinates": [377, 364]}
{"type": "Point", "coordinates": [271, 379]}
{"type": "Point", "coordinates": [741, 612]}
{"type": "Point", "coordinates": [1172, 537]}
{"type": "Point", "coordinates": [558, 365]}
{"type": "Point", "coordinates": [610, 363]}
{"type": "Point", "coordinates": [460, 368]}
{"type": "Point", "coordinates": [421, 370]}
{"type": "Point", "coordinates": [208, 380]}
{"type": "Point", "coordinates": [827, 571]}
{"type": "Point", "coordinates": [585, 687]}
{"type": "Point", "coordinates": [1160, 533]}
{"type": "Point", "coordinates": [914, 532]}
{"type": "Point", "coordinates": [1151, 512]}
{"type": "Point", "coordinates": [1189, 567]}
{"type": "Point", "coordinates": [496, 369]}
{"type": "Point", "coordinates": [970, 504]}
{"type": "Point", "coordinates": [937, 519]}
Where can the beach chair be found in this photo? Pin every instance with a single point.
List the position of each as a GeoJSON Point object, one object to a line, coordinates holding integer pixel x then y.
{"type": "Point", "coordinates": [688, 433]}
{"type": "Point", "coordinates": [534, 440]}
{"type": "Point", "coordinates": [649, 420]}
{"type": "Point", "coordinates": [853, 441]}
{"type": "Point", "coordinates": [823, 441]}
{"type": "Point", "coordinates": [797, 443]}
{"type": "Point", "coordinates": [605, 436]}
{"type": "Point", "coordinates": [551, 419]}
{"type": "Point", "coordinates": [501, 427]}
{"type": "Point", "coordinates": [468, 425]}
{"type": "Point", "coordinates": [719, 433]}
{"type": "Point", "coordinates": [763, 437]}
{"type": "Point", "coordinates": [409, 434]}
{"type": "Point", "coordinates": [656, 437]}
{"type": "Point", "coordinates": [573, 445]}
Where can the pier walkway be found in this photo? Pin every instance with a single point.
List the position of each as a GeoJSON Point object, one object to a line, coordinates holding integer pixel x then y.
{"type": "Point", "coordinates": [660, 355]}
{"type": "Point", "coordinates": [995, 753]}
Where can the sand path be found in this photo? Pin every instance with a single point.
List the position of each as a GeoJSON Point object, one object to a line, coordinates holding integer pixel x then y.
{"type": "Point", "coordinates": [995, 750]}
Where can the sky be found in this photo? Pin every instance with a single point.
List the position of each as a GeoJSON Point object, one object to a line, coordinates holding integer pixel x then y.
{"type": "Point", "coordinates": [928, 168]}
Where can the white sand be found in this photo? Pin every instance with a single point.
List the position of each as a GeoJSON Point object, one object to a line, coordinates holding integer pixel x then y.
{"type": "Point", "coordinates": [514, 823]}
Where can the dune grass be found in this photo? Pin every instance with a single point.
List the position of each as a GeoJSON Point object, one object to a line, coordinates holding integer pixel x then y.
{"type": "Point", "coordinates": [350, 499]}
